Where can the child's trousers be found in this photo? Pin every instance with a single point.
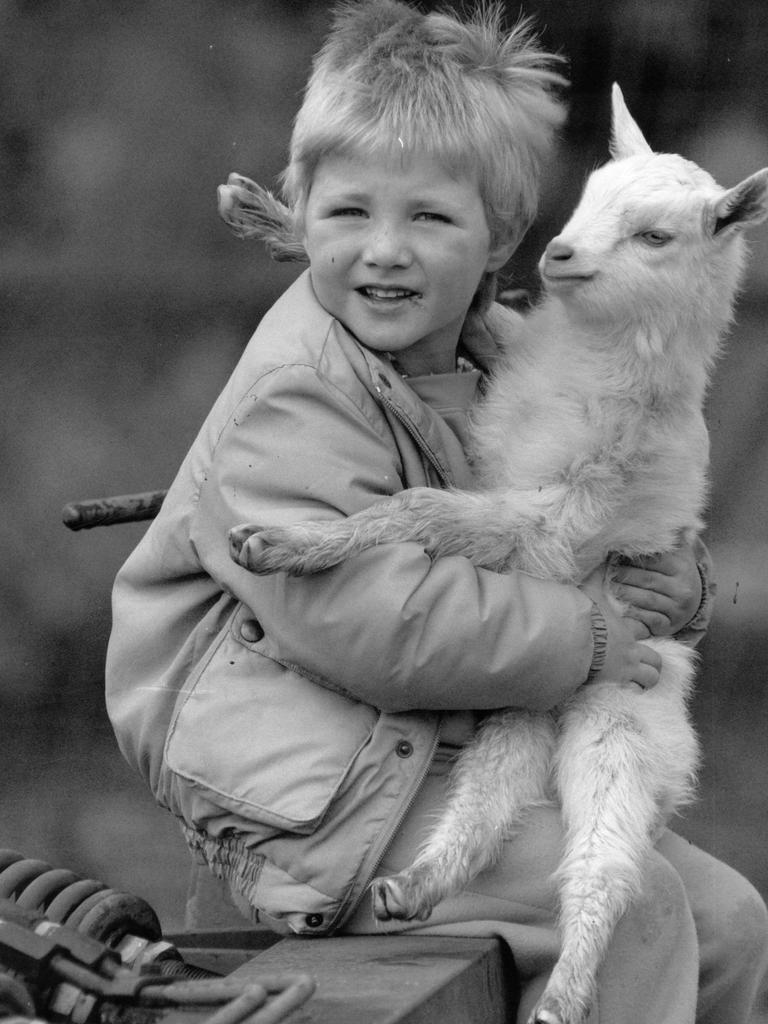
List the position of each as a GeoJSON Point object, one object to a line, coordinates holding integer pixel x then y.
{"type": "Point", "coordinates": [693, 948]}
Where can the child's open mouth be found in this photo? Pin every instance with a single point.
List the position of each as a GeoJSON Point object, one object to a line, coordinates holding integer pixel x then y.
{"type": "Point", "coordinates": [377, 294]}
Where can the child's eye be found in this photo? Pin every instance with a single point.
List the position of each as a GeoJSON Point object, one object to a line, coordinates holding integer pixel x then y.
{"type": "Point", "coordinates": [348, 211]}
{"type": "Point", "coordinates": [431, 215]}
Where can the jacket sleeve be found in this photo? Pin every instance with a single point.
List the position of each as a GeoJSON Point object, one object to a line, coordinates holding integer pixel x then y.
{"type": "Point", "coordinates": [696, 629]}
{"type": "Point", "coordinates": [388, 627]}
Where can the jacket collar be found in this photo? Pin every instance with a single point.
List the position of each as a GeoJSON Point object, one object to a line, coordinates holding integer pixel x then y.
{"type": "Point", "coordinates": [483, 340]}
{"type": "Point", "coordinates": [421, 422]}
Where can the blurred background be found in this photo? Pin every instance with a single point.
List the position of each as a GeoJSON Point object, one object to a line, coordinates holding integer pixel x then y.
{"type": "Point", "coordinates": [126, 303]}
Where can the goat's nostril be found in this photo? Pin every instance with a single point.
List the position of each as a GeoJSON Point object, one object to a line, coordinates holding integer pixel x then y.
{"type": "Point", "coordinates": [557, 250]}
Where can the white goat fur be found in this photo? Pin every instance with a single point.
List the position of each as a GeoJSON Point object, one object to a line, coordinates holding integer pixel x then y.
{"type": "Point", "coordinates": [591, 442]}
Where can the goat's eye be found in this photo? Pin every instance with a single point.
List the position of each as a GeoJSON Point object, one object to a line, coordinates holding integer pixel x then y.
{"type": "Point", "coordinates": [655, 237]}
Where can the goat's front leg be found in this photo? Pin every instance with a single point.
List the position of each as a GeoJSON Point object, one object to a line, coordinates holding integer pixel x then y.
{"type": "Point", "coordinates": [424, 515]}
{"type": "Point", "coordinates": [299, 549]}
{"type": "Point", "coordinates": [492, 529]}
{"type": "Point", "coordinates": [503, 771]}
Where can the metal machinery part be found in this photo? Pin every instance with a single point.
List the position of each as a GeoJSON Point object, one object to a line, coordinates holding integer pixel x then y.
{"type": "Point", "coordinates": [72, 949]}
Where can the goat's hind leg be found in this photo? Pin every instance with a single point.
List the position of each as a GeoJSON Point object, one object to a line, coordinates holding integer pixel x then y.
{"type": "Point", "coordinates": [618, 779]}
{"type": "Point", "coordinates": [504, 770]}
{"type": "Point", "coordinates": [599, 874]}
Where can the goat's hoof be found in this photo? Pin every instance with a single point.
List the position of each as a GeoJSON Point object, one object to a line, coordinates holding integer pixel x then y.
{"type": "Point", "coordinates": [260, 550]}
{"type": "Point", "coordinates": [296, 549]}
{"type": "Point", "coordinates": [239, 537]}
{"type": "Point", "coordinates": [394, 900]}
{"type": "Point", "coordinates": [545, 1017]}
{"type": "Point", "coordinates": [553, 1009]}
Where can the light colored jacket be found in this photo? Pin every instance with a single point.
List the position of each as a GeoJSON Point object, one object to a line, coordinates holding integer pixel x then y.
{"type": "Point", "coordinates": [286, 722]}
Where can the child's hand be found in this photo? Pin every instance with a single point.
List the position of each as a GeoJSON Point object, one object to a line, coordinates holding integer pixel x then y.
{"type": "Point", "coordinates": [662, 591]}
{"type": "Point", "coordinates": [626, 659]}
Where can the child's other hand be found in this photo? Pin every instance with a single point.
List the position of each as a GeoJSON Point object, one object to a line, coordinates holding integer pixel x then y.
{"type": "Point", "coordinates": [627, 660]}
{"type": "Point", "coordinates": [662, 591]}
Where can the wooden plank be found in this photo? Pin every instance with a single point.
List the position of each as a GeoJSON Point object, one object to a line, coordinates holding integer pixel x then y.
{"type": "Point", "coordinates": [253, 938]}
{"type": "Point", "coordinates": [396, 979]}
{"type": "Point", "coordinates": [222, 950]}
{"type": "Point", "coordinates": [118, 508]}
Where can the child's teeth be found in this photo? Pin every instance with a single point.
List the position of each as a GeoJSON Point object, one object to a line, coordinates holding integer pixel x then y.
{"type": "Point", "coordinates": [388, 293]}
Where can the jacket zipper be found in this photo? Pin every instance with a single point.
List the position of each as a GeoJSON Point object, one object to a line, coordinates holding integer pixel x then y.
{"type": "Point", "coordinates": [375, 856]}
{"type": "Point", "coordinates": [415, 433]}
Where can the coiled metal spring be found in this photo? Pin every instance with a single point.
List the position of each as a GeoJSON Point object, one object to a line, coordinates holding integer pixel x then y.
{"type": "Point", "coordinates": [66, 898]}
{"type": "Point", "coordinates": [159, 977]}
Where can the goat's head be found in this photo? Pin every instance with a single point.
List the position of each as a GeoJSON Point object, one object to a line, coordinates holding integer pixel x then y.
{"type": "Point", "coordinates": [652, 233]}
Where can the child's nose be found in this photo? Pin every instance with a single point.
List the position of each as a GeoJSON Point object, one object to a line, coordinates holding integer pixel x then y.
{"type": "Point", "coordinates": [387, 246]}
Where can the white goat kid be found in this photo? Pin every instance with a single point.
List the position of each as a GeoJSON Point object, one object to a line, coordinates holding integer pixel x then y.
{"type": "Point", "coordinates": [591, 442]}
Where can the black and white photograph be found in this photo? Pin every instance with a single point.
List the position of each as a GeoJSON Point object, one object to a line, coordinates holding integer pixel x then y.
{"type": "Point", "coordinates": [384, 615]}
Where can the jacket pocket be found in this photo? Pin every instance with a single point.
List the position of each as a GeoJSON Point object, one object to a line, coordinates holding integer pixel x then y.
{"type": "Point", "coordinates": [262, 740]}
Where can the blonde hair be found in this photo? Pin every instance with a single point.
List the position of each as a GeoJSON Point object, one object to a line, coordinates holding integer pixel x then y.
{"type": "Point", "coordinates": [480, 100]}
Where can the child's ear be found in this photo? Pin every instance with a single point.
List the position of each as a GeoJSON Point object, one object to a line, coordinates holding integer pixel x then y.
{"type": "Point", "coordinates": [499, 255]}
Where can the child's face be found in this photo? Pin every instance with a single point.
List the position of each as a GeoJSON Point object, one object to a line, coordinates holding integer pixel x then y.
{"type": "Point", "coordinates": [397, 249]}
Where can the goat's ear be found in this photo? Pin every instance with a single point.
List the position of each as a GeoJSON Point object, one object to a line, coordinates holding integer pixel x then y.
{"type": "Point", "coordinates": [253, 212]}
{"type": "Point", "coordinates": [626, 137]}
{"type": "Point", "coordinates": [744, 204]}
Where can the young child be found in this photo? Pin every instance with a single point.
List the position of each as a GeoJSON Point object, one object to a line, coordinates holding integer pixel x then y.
{"type": "Point", "coordinates": [301, 729]}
